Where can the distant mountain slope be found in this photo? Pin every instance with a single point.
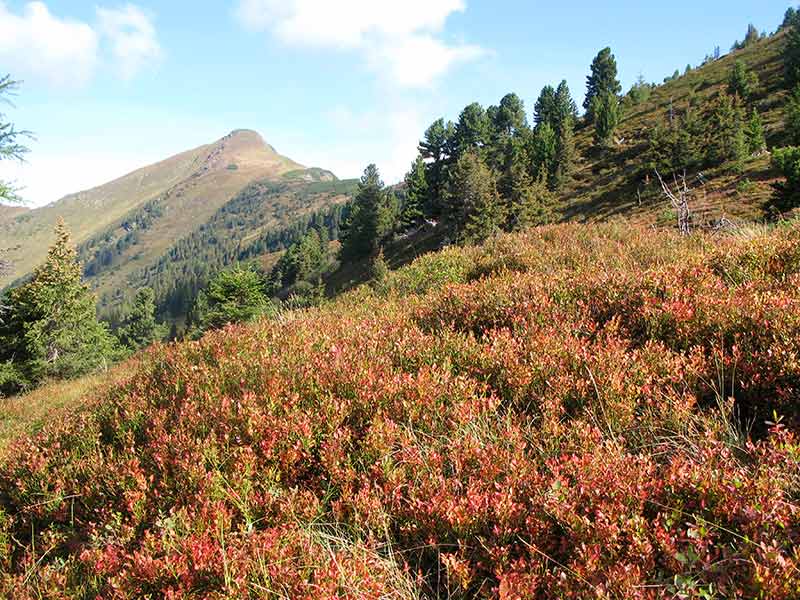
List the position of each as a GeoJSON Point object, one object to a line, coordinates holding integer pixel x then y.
{"type": "Point", "coordinates": [127, 228]}
{"type": "Point", "coordinates": [616, 182]}
{"type": "Point", "coordinates": [260, 220]}
{"type": "Point", "coordinates": [187, 188]}
{"type": "Point", "coordinates": [9, 212]}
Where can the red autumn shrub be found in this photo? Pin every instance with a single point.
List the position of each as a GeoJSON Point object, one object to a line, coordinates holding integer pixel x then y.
{"type": "Point", "coordinates": [572, 412]}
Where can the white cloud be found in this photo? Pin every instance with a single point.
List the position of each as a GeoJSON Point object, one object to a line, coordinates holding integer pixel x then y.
{"type": "Point", "coordinates": [36, 44]}
{"type": "Point", "coordinates": [401, 40]}
{"type": "Point", "coordinates": [132, 37]}
{"type": "Point", "coordinates": [391, 145]}
{"type": "Point", "coordinates": [416, 60]}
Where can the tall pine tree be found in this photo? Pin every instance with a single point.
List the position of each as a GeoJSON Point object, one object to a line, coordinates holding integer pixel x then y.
{"type": "Point", "coordinates": [566, 113]}
{"type": "Point", "coordinates": [437, 148]}
{"type": "Point", "coordinates": [606, 118]}
{"type": "Point", "coordinates": [602, 81]}
{"type": "Point", "coordinates": [416, 198]}
{"type": "Point", "coordinates": [476, 211]}
{"type": "Point", "coordinates": [368, 221]}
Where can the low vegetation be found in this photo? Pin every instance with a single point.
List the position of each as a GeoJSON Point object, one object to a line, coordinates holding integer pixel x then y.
{"type": "Point", "coordinates": [575, 411]}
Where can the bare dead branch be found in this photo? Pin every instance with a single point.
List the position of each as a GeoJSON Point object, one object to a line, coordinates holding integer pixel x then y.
{"type": "Point", "coordinates": [679, 199]}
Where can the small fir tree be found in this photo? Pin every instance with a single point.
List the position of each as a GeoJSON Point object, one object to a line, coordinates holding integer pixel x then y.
{"type": "Point", "coordinates": [754, 134]}
{"type": "Point", "coordinates": [232, 296]}
{"type": "Point", "coordinates": [139, 328]}
{"type": "Point", "coordinates": [52, 330]}
{"type": "Point", "coordinates": [742, 82]}
{"type": "Point", "coordinates": [530, 200]}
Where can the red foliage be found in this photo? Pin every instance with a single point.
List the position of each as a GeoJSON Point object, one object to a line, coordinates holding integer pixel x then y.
{"type": "Point", "coordinates": [566, 422]}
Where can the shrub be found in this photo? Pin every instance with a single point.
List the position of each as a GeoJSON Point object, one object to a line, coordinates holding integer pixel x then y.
{"type": "Point", "coordinates": [563, 414]}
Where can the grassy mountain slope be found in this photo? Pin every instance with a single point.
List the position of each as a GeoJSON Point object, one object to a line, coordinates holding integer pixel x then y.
{"type": "Point", "coordinates": [125, 228]}
{"type": "Point", "coordinates": [259, 222]}
{"type": "Point", "coordinates": [188, 188]}
{"type": "Point", "coordinates": [9, 212]}
{"type": "Point", "coordinates": [606, 183]}
{"type": "Point", "coordinates": [557, 414]}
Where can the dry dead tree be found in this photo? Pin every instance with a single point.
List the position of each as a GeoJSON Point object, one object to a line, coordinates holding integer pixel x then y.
{"type": "Point", "coordinates": [679, 198]}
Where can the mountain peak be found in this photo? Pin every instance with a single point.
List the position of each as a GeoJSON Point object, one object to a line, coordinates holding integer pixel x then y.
{"type": "Point", "coordinates": [243, 147]}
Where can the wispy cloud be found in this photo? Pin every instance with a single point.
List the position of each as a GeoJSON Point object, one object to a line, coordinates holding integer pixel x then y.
{"type": "Point", "coordinates": [402, 41]}
{"type": "Point", "coordinates": [37, 44]}
{"type": "Point", "coordinates": [132, 37]}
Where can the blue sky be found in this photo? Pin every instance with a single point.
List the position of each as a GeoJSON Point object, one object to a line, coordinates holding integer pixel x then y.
{"type": "Point", "coordinates": [112, 86]}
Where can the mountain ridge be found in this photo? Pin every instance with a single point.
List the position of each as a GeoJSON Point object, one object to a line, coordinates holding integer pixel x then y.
{"type": "Point", "coordinates": [185, 190]}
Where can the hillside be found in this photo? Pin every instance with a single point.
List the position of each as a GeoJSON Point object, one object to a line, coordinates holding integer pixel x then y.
{"type": "Point", "coordinates": [127, 226]}
{"type": "Point", "coordinates": [9, 212]}
{"type": "Point", "coordinates": [617, 182]}
{"type": "Point", "coordinates": [603, 411]}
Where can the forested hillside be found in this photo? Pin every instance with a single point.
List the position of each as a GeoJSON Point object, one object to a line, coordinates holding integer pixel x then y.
{"type": "Point", "coordinates": [127, 228]}
{"type": "Point", "coordinates": [619, 180]}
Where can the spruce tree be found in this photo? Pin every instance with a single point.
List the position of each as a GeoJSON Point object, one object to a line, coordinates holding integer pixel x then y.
{"type": "Point", "coordinates": [139, 328]}
{"type": "Point", "coordinates": [606, 118]}
{"type": "Point", "coordinates": [754, 134]}
{"type": "Point", "coordinates": [416, 197]}
{"type": "Point", "coordinates": [565, 153]}
{"type": "Point", "coordinates": [742, 82]}
{"type": "Point", "coordinates": [232, 296]}
{"type": "Point", "coordinates": [728, 142]}
{"type": "Point", "coordinates": [792, 116]}
{"type": "Point", "coordinates": [369, 219]}
{"type": "Point", "coordinates": [565, 107]}
{"type": "Point", "coordinates": [545, 109]}
{"type": "Point", "coordinates": [52, 330]}
{"type": "Point", "coordinates": [476, 211]}
{"type": "Point", "coordinates": [601, 82]}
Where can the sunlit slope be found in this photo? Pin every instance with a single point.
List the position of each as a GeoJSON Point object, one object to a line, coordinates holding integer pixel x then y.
{"type": "Point", "coordinates": [187, 188]}
{"type": "Point", "coordinates": [616, 182]}
{"type": "Point", "coordinates": [579, 411]}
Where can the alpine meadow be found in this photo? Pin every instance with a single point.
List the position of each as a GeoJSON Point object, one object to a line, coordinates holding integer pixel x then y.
{"type": "Point", "coordinates": [558, 358]}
